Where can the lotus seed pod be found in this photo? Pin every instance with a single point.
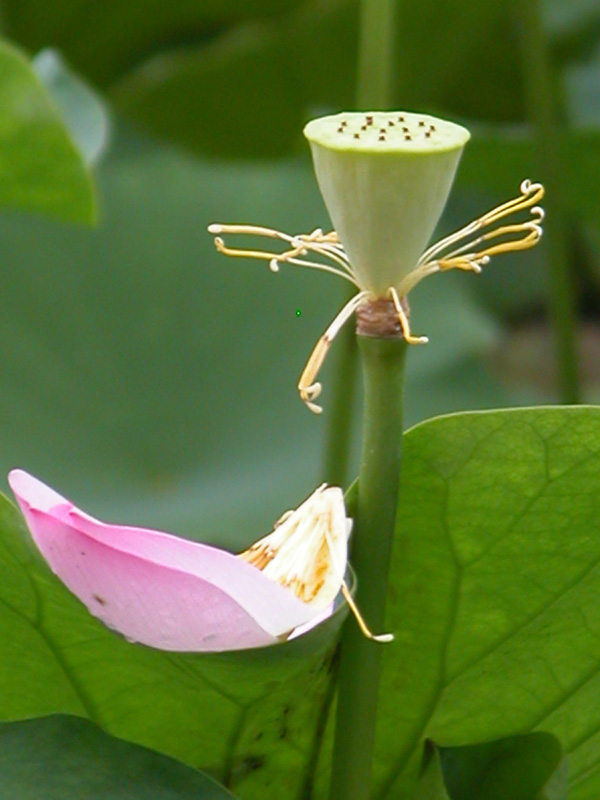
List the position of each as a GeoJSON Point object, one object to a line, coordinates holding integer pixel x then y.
{"type": "Point", "coordinates": [385, 178]}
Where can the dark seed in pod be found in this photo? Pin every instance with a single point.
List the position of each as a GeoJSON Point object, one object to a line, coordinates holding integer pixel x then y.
{"type": "Point", "coordinates": [432, 127]}
{"type": "Point", "coordinates": [363, 127]}
{"type": "Point", "coordinates": [390, 123]}
{"type": "Point", "coordinates": [408, 138]}
{"type": "Point", "coordinates": [405, 129]}
{"type": "Point", "coordinates": [381, 138]}
{"type": "Point", "coordinates": [400, 119]}
{"type": "Point", "coordinates": [357, 135]}
{"type": "Point", "coordinates": [344, 123]}
{"type": "Point", "coordinates": [421, 123]}
{"type": "Point", "coordinates": [340, 129]}
{"type": "Point", "coordinates": [428, 134]}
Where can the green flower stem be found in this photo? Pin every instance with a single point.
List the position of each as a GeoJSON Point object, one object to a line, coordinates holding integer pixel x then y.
{"type": "Point", "coordinates": [360, 659]}
{"type": "Point", "coordinates": [540, 91]}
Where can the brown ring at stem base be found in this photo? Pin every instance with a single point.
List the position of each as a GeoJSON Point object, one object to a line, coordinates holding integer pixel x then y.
{"type": "Point", "coordinates": [378, 318]}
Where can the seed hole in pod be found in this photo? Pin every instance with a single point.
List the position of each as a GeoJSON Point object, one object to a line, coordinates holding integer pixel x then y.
{"type": "Point", "coordinates": [344, 123]}
{"type": "Point", "coordinates": [340, 129]}
{"type": "Point", "coordinates": [369, 120]}
{"type": "Point", "coordinates": [357, 135]}
{"type": "Point", "coordinates": [432, 127]}
{"type": "Point", "coordinates": [427, 134]}
{"type": "Point", "coordinates": [391, 123]}
{"type": "Point", "coordinates": [408, 137]}
{"type": "Point", "coordinates": [421, 123]}
{"type": "Point", "coordinates": [381, 137]}
{"type": "Point", "coordinates": [405, 129]}
{"type": "Point", "coordinates": [400, 119]}
{"type": "Point", "coordinates": [363, 127]}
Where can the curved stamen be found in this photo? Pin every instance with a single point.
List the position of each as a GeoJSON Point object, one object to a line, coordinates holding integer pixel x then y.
{"type": "Point", "coordinates": [308, 387]}
{"type": "Point", "coordinates": [531, 193]}
{"type": "Point", "coordinates": [439, 257]}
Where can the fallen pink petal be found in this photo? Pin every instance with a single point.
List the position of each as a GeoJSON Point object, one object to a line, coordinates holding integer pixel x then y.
{"type": "Point", "coordinates": [175, 594]}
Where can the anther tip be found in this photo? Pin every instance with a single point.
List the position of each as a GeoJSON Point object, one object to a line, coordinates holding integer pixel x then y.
{"type": "Point", "coordinates": [215, 228]}
{"type": "Point", "coordinates": [539, 211]}
{"type": "Point", "coordinates": [273, 265]}
{"type": "Point", "coordinates": [384, 637]}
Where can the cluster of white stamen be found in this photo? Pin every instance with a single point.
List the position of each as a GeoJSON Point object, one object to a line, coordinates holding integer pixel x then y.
{"type": "Point", "coordinates": [307, 553]}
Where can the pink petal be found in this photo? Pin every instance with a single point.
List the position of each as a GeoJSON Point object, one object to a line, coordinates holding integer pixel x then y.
{"type": "Point", "coordinates": [153, 587]}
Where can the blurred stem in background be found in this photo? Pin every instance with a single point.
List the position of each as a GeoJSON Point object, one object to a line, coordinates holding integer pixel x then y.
{"type": "Point", "coordinates": [539, 83]}
{"type": "Point", "coordinates": [383, 377]}
{"type": "Point", "coordinates": [375, 79]}
{"type": "Point", "coordinates": [374, 90]}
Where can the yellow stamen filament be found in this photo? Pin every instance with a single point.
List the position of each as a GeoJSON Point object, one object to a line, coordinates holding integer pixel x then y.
{"type": "Point", "coordinates": [531, 193]}
{"type": "Point", "coordinates": [324, 244]}
{"type": "Point", "coordinates": [404, 323]}
{"type": "Point", "coordinates": [440, 257]}
{"type": "Point", "coordinates": [308, 387]}
{"type": "Point", "coordinates": [376, 637]}
{"type": "Point", "coordinates": [366, 631]}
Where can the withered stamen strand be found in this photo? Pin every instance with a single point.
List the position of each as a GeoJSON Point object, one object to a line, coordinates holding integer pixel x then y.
{"type": "Point", "coordinates": [308, 387]}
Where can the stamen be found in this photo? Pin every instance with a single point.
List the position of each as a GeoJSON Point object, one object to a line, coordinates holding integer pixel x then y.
{"type": "Point", "coordinates": [308, 387]}
{"type": "Point", "coordinates": [323, 244]}
{"type": "Point", "coordinates": [376, 637]}
{"type": "Point", "coordinates": [466, 257]}
{"type": "Point", "coordinates": [365, 630]}
{"type": "Point", "coordinates": [531, 193]}
{"type": "Point", "coordinates": [404, 323]}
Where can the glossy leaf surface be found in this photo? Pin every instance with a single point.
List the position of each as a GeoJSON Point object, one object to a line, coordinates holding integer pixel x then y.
{"type": "Point", "coordinates": [496, 582]}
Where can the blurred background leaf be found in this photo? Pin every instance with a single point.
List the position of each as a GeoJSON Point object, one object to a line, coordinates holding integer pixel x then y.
{"type": "Point", "coordinates": [82, 109]}
{"type": "Point", "coordinates": [71, 758]}
{"type": "Point", "coordinates": [41, 169]}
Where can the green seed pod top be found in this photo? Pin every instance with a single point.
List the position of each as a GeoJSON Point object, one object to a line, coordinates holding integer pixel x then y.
{"type": "Point", "coordinates": [385, 178]}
